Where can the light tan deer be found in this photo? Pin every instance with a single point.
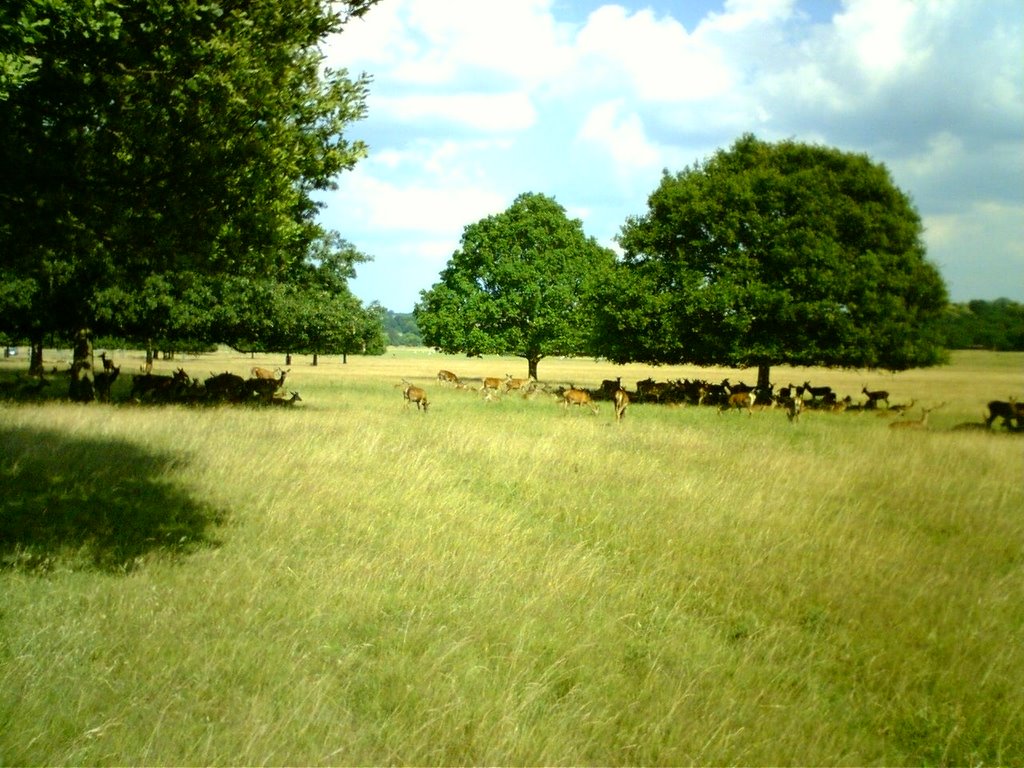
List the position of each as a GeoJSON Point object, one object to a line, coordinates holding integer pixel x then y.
{"type": "Point", "coordinates": [921, 423]}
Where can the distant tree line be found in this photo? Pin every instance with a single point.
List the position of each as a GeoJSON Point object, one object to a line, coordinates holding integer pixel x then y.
{"type": "Point", "coordinates": [401, 329]}
{"type": "Point", "coordinates": [996, 325]}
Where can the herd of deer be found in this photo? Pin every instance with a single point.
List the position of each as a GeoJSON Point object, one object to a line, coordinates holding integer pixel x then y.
{"type": "Point", "coordinates": [263, 387]}
{"type": "Point", "coordinates": [793, 400]}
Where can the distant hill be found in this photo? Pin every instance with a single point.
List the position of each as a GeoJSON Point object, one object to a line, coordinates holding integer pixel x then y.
{"type": "Point", "coordinates": [401, 329]}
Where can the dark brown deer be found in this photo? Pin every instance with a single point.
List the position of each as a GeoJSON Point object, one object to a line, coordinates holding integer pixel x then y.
{"type": "Point", "coordinates": [874, 398]}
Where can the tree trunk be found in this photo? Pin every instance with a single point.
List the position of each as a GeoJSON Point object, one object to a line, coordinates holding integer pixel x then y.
{"type": "Point", "coordinates": [288, 359]}
{"type": "Point", "coordinates": [764, 377]}
{"type": "Point", "coordinates": [315, 358]}
{"type": "Point", "coordinates": [35, 356]}
{"type": "Point", "coordinates": [531, 369]}
{"type": "Point", "coordinates": [344, 358]}
{"type": "Point", "coordinates": [80, 388]}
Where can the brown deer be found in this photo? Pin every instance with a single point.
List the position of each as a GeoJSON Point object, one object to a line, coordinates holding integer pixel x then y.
{"type": "Point", "coordinates": [874, 398]}
{"type": "Point", "coordinates": [447, 377]}
{"type": "Point", "coordinates": [739, 401]}
{"type": "Point", "coordinates": [522, 385]}
{"type": "Point", "coordinates": [414, 394]}
{"type": "Point", "coordinates": [491, 385]}
{"type": "Point", "coordinates": [621, 399]}
{"type": "Point", "coordinates": [921, 423]}
{"type": "Point", "coordinates": [286, 401]}
{"type": "Point", "coordinates": [578, 397]}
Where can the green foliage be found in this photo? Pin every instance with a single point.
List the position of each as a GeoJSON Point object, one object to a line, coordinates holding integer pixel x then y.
{"type": "Point", "coordinates": [776, 253]}
{"type": "Point", "coordinates": [401, 329]}
{"type": "Point", "coordinates": [997, 325]}
{"type": "Point", "coordinates": [152, 144]}
{"type": "Point", "coordinates": [520, 285]}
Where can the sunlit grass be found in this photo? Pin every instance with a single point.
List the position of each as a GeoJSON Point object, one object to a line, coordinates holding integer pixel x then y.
{"type": "Point", "coordinates": [510, 583]}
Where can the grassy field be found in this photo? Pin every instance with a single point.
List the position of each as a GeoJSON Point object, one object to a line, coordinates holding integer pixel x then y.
{"type": "Point", "coordinates": [352, 582]}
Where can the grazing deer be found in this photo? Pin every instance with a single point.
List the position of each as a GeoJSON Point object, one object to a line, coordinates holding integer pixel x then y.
{"type": "Point", "coordinates": [414, 394]}
{"type": "Point", "coordinates": [621, 399]}
{"type": "Point", "coordinates": [578, 397]}
{"type": "Point", "coordinates": [263, 373]}
{"type": "Point", "coordinates": [447, 377]}
{"type": "Point", "coordinates": [921, 423]}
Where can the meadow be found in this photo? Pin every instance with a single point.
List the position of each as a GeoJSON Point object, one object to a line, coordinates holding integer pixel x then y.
{"type": "Point", "coordinates": [353, 582]}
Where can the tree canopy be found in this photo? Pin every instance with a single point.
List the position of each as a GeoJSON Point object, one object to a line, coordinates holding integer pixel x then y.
{"type": "Point", "coordinates": [769, 254]}
{"type": "Point", "coordinates": [158, 147]}
{"type": "Point", "coordinates": [519, 285]}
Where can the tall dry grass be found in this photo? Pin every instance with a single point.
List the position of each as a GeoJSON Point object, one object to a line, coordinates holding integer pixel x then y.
{"type": "Point", "coordinates": [353, 582]}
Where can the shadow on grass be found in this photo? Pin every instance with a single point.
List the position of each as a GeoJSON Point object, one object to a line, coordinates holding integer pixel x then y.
{"type": "Point", "coordinates": [91, 503]}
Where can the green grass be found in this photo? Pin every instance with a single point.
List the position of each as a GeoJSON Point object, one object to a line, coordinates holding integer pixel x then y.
{"type": "Point", "coordinates": [352, 582]}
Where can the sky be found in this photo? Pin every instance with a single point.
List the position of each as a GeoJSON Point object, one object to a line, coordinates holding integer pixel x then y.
{"type": "Point", "coordinates": [474, 102]}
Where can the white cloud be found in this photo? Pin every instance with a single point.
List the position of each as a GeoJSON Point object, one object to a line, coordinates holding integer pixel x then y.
{"type": "Point", "coordinates": [488, 112]}
{"type": "Point", "coordinates": [620, 137]}
{"type": "Point", "coordinates": [377, 204]}
{"type": "Point", "coordinates": [476, 101]}
{"type": "Point", "coordinates": [654, 59]}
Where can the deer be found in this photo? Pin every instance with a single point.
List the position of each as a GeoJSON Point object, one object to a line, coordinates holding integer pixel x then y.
{"type": "Point", "coordinates": [287, 402]}
{"type": "Point", "coordinates": [108, 365]}
{"type": "Point", "coordinates": [103, 380]}
{"type": "Point", "coordinates": [1007, 410]}
{"type": "Point", "coordinates": [898, 408]}
{"type": "Point", "coordinates": [578, 397]}
{"type": "Point", "coordinates": [490, 385]}
{"type": "Point", "coordinates": [414, 394]}
{"type": "Point", "coordinates": [794, 406]}
{"type": "Point", "coordinates": [447, 377]}
{"type": "Point", "coordinates": [921, 423]}
{"type": "Point", "coordinates": [522, 385]}
{"type": "Point", "coordinates": [264, 373]}
{"type": "Point", "coordinates": [739, 401]}
{"type": "Point", "coordinates": [621, 399]}
{"type": "Point", "coordinates": [875, 397]}
{"type": "Point", "coordinates": [816, 393]}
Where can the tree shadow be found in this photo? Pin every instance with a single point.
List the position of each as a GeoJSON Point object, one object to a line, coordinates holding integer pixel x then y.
{"type": "Point", "coordinates": [94, 503]}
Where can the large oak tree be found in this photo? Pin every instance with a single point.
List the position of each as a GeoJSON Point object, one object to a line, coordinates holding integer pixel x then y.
{"type": "Point", "coordinates": [768, 254]}
{"type": "Point", "coordinates": [521, 284]}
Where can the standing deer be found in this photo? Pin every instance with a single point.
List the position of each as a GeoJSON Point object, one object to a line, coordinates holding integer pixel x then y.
{"type": "Point", "coordinates": [414, 394]}
{"type": "Point", "coordinates": [578, 397]}
{"type": "Point", "coordinates": [621, 402]}
{"type": "Point", "coordinates": [874, 398]}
